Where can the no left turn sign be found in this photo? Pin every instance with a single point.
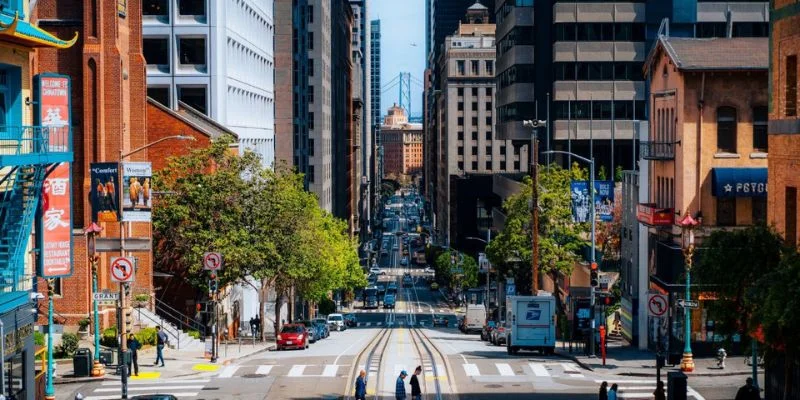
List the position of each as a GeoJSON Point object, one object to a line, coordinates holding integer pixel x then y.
{"type": "Point", "coordinates": [122, 269]}
{"type": "Point", "coordinates": [212, 261]}
{"type": "Point", "coordinates": [657, 304]}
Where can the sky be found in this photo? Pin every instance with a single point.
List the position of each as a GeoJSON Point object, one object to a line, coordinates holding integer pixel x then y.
{"type": "Point", "coordinates": [402, 24]}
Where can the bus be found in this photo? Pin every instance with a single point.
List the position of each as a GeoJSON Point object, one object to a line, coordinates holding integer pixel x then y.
{"type": "Point", "coordinates": [371, 297]}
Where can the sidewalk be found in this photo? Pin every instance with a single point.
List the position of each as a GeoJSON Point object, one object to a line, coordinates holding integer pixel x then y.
{"type": "Point", "coordinates": [178, 363]}
{"type": "Point", "coordinates": [625, 360]}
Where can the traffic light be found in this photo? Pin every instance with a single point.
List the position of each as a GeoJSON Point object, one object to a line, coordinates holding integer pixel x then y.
{"type": "Point", "coordinates": [128, 320]}
{"type": "Point", "coordinates": [213, 283]}
{"type": "Point", "coordinates": [595, 280]}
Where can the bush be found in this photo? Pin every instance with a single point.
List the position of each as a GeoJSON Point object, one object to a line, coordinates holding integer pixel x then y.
{"type": "Point", "coordinates": [193, 333]}
{"type": "Point", "coordinates": [38, 338]}
{"type": "Point", "coordinates": [68, 346]}
{"type": "Point", "coordinates": [141, 297]}
{"type": "Point", "coordinates": [83, 324]}
{"type": "Point", "coordinates": [109, 337]}
{"type": "Point", "coordinates": [147, 336]}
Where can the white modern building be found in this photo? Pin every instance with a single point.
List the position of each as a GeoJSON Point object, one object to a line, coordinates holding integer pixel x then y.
{"type": "Point", "coordinates": [216, 56]}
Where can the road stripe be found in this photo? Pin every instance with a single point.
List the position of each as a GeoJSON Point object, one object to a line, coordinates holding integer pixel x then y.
{"type": "Point", "coordinates": [149, 388]}
{"type": "Point", "coordinates": [539, 369]}
{"type": "Point", "coordinates": [162, 381]}
{"type": "Point", "coordinates": [637, 395]}
{"type": "Point", "coordinates": [504, 369]}
{"type": "Point", "coordinates": [116, 397]}
{"type": "Point", "coordinates": [297, 370]}
{"type": "Point", "coordinates": [471, 370]}
{"type": "Point", "coordinates": [330, 370]}
{"type": "Point", "coordinates": [264, 369]}
{"type": "Point", "coordinates": [228, 371]}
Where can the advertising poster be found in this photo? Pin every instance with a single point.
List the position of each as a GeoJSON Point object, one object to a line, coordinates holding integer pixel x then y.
{"type": "Point", "coordinates": [56, 224]}
{"type": "Point", "coordinates": [137, 202]}
{"type": "Point", "coordinates": [603, 200]}
{"type": "Point", "coordinates": [579, 192]}
{"type": "Point", "coordinates": [104, 196]}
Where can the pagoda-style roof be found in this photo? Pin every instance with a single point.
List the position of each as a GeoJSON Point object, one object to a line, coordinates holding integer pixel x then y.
{"type": "Point", "coordinates": [15, 30]}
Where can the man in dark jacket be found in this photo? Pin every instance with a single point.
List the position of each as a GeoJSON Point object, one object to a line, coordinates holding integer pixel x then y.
{"type": "Point", "coordinates": [748, 391]}
{"type": "Point", "coordinates": [416, 392]}
{"type": "Point", "coordinates": [361, 386]}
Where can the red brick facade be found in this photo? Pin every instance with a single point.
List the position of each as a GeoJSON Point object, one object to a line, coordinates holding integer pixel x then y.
{"type": "Point", "coordinates": [162, 123]}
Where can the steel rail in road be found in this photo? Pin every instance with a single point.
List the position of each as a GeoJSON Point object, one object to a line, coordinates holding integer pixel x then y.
{"type": "Point", "coordinates": [382, 336]}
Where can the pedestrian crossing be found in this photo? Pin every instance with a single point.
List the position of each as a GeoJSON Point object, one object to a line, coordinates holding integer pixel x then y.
{"type": "Point", "coordinates": [180, 388]}
{"type": "Point", "coordinates": [403, 310]}
{"type": "Point", "coordinates": [535, 370]}
{"type": "Point", "coordinates": [641, 389]}
{"type": "Point", "coordinates": [398, 322]}
{"type": "Point", "coordinates": [277, 370]}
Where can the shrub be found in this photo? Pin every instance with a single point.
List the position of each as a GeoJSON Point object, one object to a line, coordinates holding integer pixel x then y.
{"type": "Point", "coordinates": [109, 337]}
{"type": "Point", "coordinates": [193, 333]}
{"type": "Point", "coordinates": [69, 344]}
{"type": "Point", "coordinates": [141, 297]}
{"type": "Point", "coordinates": [38, 338]}
{"type": "Point", "coordinates": [83, 324]}
{"type": "Point", "coordinates": [147, 336]}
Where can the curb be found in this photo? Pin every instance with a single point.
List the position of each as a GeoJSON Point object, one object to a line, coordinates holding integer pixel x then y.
{"type": "Point", "coordinates": [576, 360]}
{"type": "Point", "coordinates": [691, 374]}
{"type": "Point", "coordinates": [84, 379]}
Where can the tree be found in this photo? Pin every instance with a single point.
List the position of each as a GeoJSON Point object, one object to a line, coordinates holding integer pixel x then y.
{"type": "Point", "coordinates": [444, 266]}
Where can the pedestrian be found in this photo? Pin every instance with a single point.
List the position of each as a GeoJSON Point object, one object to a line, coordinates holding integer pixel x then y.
{"type": "Point", "coordinates": [400, 386]}
{"type": "Point", "coordinates": [133, 346]}
{"type": "Point", "coordinates": [612, 393]}
{"type": "Point", "coordinates": [603, 395]}
{"type": "Point", "coordinates": [748, 391]}
{"type": "Point", "coordinates": [361, 385]}
{"type": "Point", "coordinates": [659, 393]}
{"type": "Point", "coordinates": [416, 392]}
{"type": "Point", "coordinates": [253, 326]}
{"type": "Point", "coordinates": [161, 340]}
{"type": "Point", "coordinates": [258, 325]}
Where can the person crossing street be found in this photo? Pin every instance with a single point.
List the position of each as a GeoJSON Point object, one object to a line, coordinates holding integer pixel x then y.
{"type": "Point", "coordinates": [361, 386]}
{"type": "Point", "coordinates": [161, 340]}
{"type": "Point", "coordinates": [400, 386]}
{"type": "Point", "coordinates": [416, 392]}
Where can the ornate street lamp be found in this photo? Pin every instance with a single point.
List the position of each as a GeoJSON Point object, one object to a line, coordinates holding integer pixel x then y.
{"type": "Point", "coordinates": [688, 225]}
{"type": "Point", "coordinates": [92, 231]}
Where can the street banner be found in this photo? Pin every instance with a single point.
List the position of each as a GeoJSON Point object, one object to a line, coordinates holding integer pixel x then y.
{"type": "Point", "coordinates": [603, 200]}
{"type": "Point", "coordinates": [137, 202]}
{"type": "Point", "coordinates": [103, 194]}
{"type": "Point", "coordinates": [55, 224]}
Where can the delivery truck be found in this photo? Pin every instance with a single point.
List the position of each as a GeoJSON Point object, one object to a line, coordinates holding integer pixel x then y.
{"type": "Point", "coordinates": [475, 318]}
{"type": "Point", "coordinates": [531, 323]}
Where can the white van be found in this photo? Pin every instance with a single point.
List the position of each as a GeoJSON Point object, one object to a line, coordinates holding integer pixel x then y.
{"type": "Point", "coordinates": [336, 322]}
{"type": "Point", "coordinates": [476, 317]}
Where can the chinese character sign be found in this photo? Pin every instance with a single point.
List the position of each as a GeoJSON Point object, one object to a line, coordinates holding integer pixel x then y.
{"type": "Point", "coordinates": [52, 109]}
{"type": "Point", "coordinates": [137, 201]}
{"type": "Point", "coordinates": [103, 194]}
{"type": "Point", "coordinates": [55, 227]}
{"type": "Point", "coordinates": [603, 200]}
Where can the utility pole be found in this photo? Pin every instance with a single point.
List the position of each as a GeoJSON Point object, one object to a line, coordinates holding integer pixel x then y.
{"type": "Point", "coordinates": [534, 125]}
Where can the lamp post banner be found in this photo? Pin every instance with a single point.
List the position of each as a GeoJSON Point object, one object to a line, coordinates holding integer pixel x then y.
{"type": "Point", "coordinates": [103, 193]}
{"type": "Point", "coordinates": [137, 202]}
{"type": "Point", "coordinates": [603, 200]}
{"type": "Point", "coordinates": [55, 224]}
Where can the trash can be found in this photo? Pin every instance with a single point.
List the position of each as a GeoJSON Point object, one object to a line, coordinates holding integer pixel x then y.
{"type": "Point", "coordinates": [106, 356]}
{"type": "Point", "coordinates": [82, 362]}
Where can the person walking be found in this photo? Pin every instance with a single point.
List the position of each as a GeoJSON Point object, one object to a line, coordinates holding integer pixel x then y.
{"type": "Point", "coordinates": [603, 394]}
{"type": "Point", "coordinates": [416, 392]}
{"type": "Point", "coordinates": [161, 340]}
{"type": "Point", "coordinates": [133, 346]}
{"type": "Point", "coordinates": [400, 386]}
{"type": "Point", "coordinates": [748, 391]}
{"type": "Point", "coordinates": [361, 386]}
{"type": "Point", "coordinates": [612, 393]}
{"type": "Point", "coordinates": [659, 393]}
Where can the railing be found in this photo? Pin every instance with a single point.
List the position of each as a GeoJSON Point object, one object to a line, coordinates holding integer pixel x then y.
{"type": "Point", "coordinates": [22, 140]}
{"type": "Point", "coordinates": [657, 150]}
{"type": "Point", "coordinates": [179, 319]}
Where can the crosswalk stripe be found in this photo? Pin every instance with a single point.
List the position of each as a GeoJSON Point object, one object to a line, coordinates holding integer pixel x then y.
{"type": "Point", "coordinates": [505, 369]}
{"type": "Point", "coordinates": [228, 371]}
{"type": "Point", "coordinates": [263, 369]}
{"type": "Point", "coordinates": [637, 395]}
{"type": "Point", "coordinates": [161, 381]}
{"type": "Point", "coordinates": [116, 397]}
{"type": "Point", "coordinates": [330, 370]}
{"type": "Point", "coordinates": [471, 370]}
{"type": "Point", "coordinates": [539, 369]}
{"type": "Point", "coordinates": [297, 370]}
{"type": "Point", "coordinates": [149, 388]}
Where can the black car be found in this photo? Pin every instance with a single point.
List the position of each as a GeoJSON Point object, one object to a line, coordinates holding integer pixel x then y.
{"type": "Point", "coordinates": [440, 320]}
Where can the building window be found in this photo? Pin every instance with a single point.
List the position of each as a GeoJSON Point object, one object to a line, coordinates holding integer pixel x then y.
{"type": "Point", "coordinates": [488, 135]}
{"type": "Point", "coordinates": [760, 141]}
{"type": "Point", "coordinates": [488, 92]}
{"type": "Point", "coordinates": [502, 150]}
{"type": "Point", "coordinates": [460, 91]}
{"type": "Point", "coordinates": [460, 69]}
{"type": "Point", "coordinates": [490, 67]}
{"type": "Point", "coordinates": [310, 67]}
{"type": "Point", "coordinates": [310, 174]}
{"type": "Point", "coordinates": [475, 67]}
{"type": "Point", "coordinates": [159, 8]}
{"type": "Point", "coordinates": [461, 135]}
{"type": "Point", "coordinates": [474, 165]}
{"type": "Point", "coordinates": [502, 165]}
{"type": "Point", "coordinates": [460, 106]}
{"type": "Point", "coordinates": [311, 147]}
{"type": "Point", "coordinates": [474, 121]}
{"type": "Point", "coordinates": [310, 94]}
{"type": "Point", "coordinates": [488, 150]}
{"type": "Point", "coordinates": [726, 211]}
{"type": "Point", "coordinates": [461, 165]}
{"type": "Point", "coordinates": [460, 121]}
{"type": "Point", "coordinates": [474, 150]}
{"type": "Point", "coordinates": [474, 92]}
{"type": "Point", "coordinates": [726, 130]}
{"type": "Point", "coordinates": [310, 14]}
{"type": "Point", "coordinates": [461, 150]}
{"type": "Point", "coordinates": [58, 287]}
{"type": "Point", "coordinates": [475, 135]}
{"type": "Point", "coordinates": [310, 120]}
{"type": "Point", "coordinates": [195, 97]}
{"type": "Point", "coordinates": [488, 165]}
{"type": "Point", "coordinates": [474, 106]}
{"type": "Point", "coordinates": [192, 51]}
{"type": "Point", "coordinates": [516, 166]}
{"type": "Point", "coordinates": [488, 106]}
{"type": "Point", "coordinates": [15, 375]}
{"type": "Point", "coordinates": [192, 7]}
{"type": "Point", "coordinates": [791, 86]}
{"type": "Point", "coordinates": [488, 121]}
{"type": "Point", "coordinates": [759, 210]}
{"type": "Point", "coordinates": [156, 51]}
{"type": "Point", "coordinates": [311, 40]}
{"type": "Point", "coordinates": [159, 94]}
{"type": "Point", "coordinates": [790, 215]}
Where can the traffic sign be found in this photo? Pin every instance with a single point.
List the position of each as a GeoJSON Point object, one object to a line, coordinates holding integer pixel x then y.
{"type": "Point", "coordinates": [657, 304]}
{"type": "Point", "coordinates": [688, 303]}
{"type": "Point", "coordinates": [212, 261]}
{"type": "Point", "coordinates": [511, 289]}
{"type": "Point", "coordinates": [106, 298]}
{"type": "Point", "coordinates": [122, 269]}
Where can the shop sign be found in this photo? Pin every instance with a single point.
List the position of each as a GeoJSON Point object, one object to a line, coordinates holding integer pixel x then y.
{"type": "Point", "coordinates": [55, 224]}
{"type": "Point", "coordinates": [649, 214]}
{"type": "Point", "coordinates": [137, 201]}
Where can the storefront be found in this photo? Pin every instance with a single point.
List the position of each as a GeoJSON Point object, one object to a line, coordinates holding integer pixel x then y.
{"type": "Point", "coordinates": [18, 374]}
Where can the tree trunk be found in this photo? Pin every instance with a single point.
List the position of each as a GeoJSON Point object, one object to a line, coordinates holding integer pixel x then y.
{"type": "Point", "coordinates": [262, 301]}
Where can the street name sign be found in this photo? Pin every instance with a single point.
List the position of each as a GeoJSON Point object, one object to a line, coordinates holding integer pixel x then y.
{"type": "Point", "coordinates": [688, 303]}
{"type": "Point", "coordinates": [106, 298]}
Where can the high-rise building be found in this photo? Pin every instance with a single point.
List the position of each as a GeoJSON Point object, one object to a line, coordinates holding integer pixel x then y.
{"type": "Point", "coordinates": [402, 144]}
{"type": "Point", "coordinates": [342, 137]}
{"type": "Point", "coordinates": [581, 62]}
{"type": "Point", "coordinates": [362, 40]}
{"type": "Point", "coordinates": [375, 173]}
{"type": "Point", "coordinates": [217, 58]}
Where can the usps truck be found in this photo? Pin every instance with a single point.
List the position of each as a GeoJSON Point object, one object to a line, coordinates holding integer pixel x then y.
{"type": "Point", "coordinates": [531, 323]}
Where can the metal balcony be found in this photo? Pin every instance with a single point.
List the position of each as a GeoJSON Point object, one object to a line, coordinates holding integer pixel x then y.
{"type": "Point", "coordinates": [657, 150]}
{"type": "Point", "coordinates": [35, 145]}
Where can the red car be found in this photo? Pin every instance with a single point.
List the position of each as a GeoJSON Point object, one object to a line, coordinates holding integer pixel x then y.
{"type": "Point", "coordinates": [292, 336]}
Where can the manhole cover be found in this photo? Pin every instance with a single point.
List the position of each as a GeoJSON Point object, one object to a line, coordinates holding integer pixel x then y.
{"type": "Point", "coordinates": [516, 385]}
{"type": "Point", "coordinates": [493, 386]}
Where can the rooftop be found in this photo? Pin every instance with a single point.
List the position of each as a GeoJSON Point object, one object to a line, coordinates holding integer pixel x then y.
{"type": "Point", "coordinates": [714, 53]}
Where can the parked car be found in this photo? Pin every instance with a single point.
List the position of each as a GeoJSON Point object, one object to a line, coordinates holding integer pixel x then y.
{"type": "Point", "coordinates": [440, 320]}
{"type": "Point", "coordinates": [376, 271]}
{"type": "Point", "coordinates": [408, 280]}
{"type": "Point", "coordinates": [322, 323]}
{"type": "Point", "coordinates": [429, 270]}
{"type": "Point", "coordinates": [314, 333]}
{"type": "Point", "coordinates": [336, 322]}
{"type": "Point", "coordinates": [498, 336]}
{"type": "Point", "coordinates": [350, 320]}
{"type": "Point", "coordinates": [486, 332]}
{"type": "Point", "coordinates": [292, 336]}
{"type": "Point", "coordinates": [392, 288]}
{"type": "Point", "coordinates": [388, 301]}
{"type": "Point", "coordinates": [462, 323]}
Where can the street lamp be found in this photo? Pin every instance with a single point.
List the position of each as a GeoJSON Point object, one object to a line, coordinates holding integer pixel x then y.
{"type": "Point", "coordinates": [688, 224]}
{"type": "Point", "coordinates": [489, 268]}
{"type": "Point", "coordinates": [92, 231]}
{"type": "Point", "coordinates": [590, 161]}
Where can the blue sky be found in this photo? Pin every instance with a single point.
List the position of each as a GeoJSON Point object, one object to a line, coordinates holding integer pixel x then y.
{"type": "Point", "coordinates": [402, 23]}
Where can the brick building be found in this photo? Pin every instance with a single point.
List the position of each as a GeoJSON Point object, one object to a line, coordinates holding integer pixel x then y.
{"type": "Point", "coordinates": [402, 144]}
{"type": "Point", "coordinates": [707, 157]}
{"type": "Point", "coordinates": [784, 122]}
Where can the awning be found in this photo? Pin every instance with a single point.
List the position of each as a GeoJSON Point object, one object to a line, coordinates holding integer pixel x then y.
{"type": "Point", "coordinates": [739, 182]}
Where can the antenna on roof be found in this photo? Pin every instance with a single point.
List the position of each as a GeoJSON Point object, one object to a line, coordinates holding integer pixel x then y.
{"type": "Point", "coordinates": [663, 29]}
{"type": "Point", "coordinates": [728, 23]}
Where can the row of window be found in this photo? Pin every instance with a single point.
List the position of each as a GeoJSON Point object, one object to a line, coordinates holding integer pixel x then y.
{"type": "Point", "coordinates": [790, 86]}
{"type": "Point", "coordinates": [518, 36]}
{"type": "Point", "coordinates": [474, 121]}
{"type": "Point", "coordinates": [474, 92]}
{"type": "Point", "coordinates": [193, 96]}
{"type": "Point", "coordinates": [726, 210]}
{"type": "Point", "coordinates": [475, 135]}
{"type": "Point", "coordinates": [597, 71]}
{"type": "Point", "coordinates": [475, 67]}
{"type": "Point", "coordinates": [598, 109]}
{"type": "Point", "coordinates": [727, 135]}
{"type": "Point", "coordinates": [600, 32]}
{"type": "Point", "coordinates": [488, 165]}
{"type": "Point", "coordinates": [488, 150]}
{"type": "Point", "coordinates": [160, 8]}
{"type": "Point", "coordinates": [519, 73]}
{"type": "Point", "coordinates": [740, 29]}
{"type": "Point", "coordinates": [191, 51]}
{"type": "Point", "coordinates": [487, 106]}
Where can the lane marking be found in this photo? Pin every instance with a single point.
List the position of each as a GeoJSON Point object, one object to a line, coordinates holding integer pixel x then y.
{"type": "Point", "coordinates": [539, 369]}
{"type": "Point", "coordinates": [116, 397]}
{"type": "Point", "coordinates": [228, 371]}
{"type": "Point", "coordinates": [264, 369]}
{"type": "Point", "coordinates": [149, 388]}
{"type": "Point", "coordinates": [162, 381]}
{"type": "Point", "coordinates": [330, 370]}
{"type": "Point", "coordinates": [504, 369]}
{"type": "Point", "coordinates": [471, 370]}
{"type": "Point", "coordinates": [297, 370]}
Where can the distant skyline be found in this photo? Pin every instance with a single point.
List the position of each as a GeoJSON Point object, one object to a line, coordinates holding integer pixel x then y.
{"type": "Point", "coordinates": [402, 24]}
